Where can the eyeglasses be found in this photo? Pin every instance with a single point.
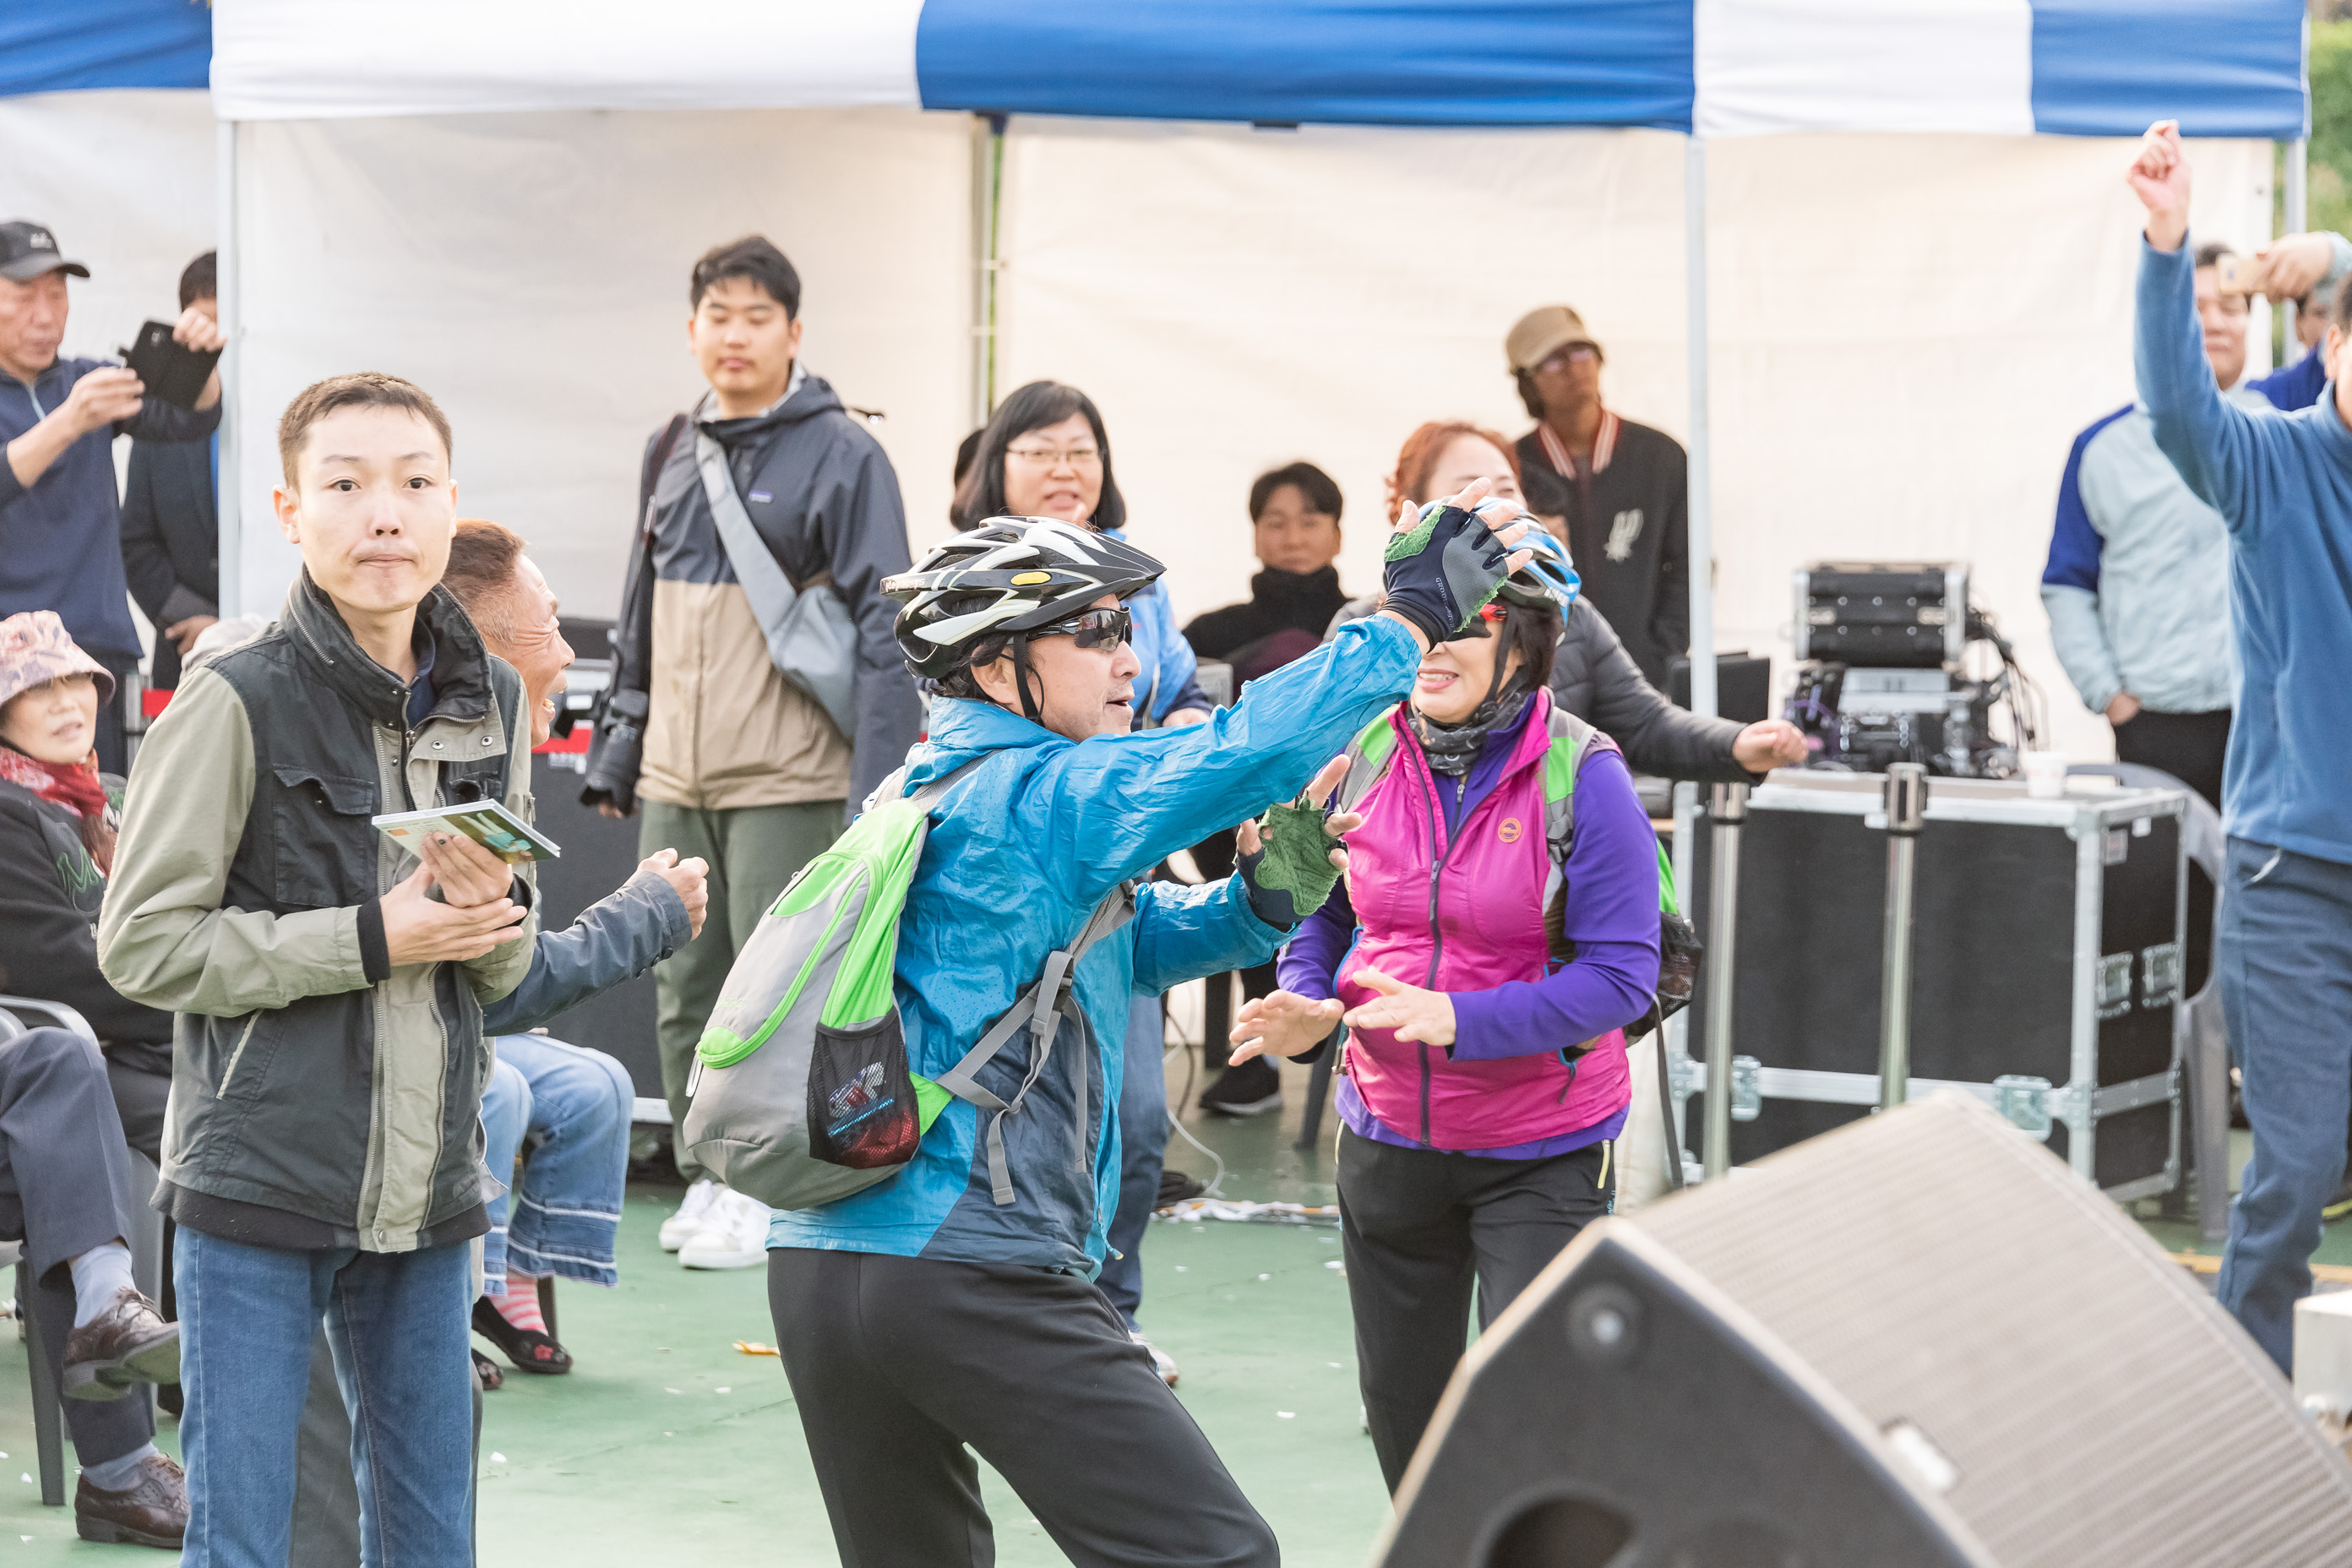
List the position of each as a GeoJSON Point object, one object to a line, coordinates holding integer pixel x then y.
{"type": "Point", "coordinates": [1094, 629]}
{"type": "Point", "coordinates": [1576, 354]}
{"type": "Point", "coordinates": [1050, 457]}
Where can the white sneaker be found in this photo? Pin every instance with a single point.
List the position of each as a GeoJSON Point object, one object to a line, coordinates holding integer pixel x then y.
{"type": "Point", "coordinates": [691, 1215]}
{"type": "Point", "coordinates": [1161, 1361]}
{"type": "Point", "coordinates": [735, 1236]}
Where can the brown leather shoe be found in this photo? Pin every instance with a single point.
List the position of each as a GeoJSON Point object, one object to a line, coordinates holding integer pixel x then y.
{"type": "Point", "coordinates": [154, 1512]}
{"type": "Point", "coordinates": [129, 1343]}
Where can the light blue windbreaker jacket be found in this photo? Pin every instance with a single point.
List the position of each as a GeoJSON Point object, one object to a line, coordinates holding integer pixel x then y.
{"type": "Point", "coordinates": [1022, 849]}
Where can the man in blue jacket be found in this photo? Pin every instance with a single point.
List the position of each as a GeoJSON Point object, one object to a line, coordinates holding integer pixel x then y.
{"type": "Point", "coordinates": [2137, 561]}
{"type": "Point", "coordinates": [952, 1308]}
{"type": "Point", "coordinates": [2283, 484]}
{"type": "Point", "coordinates": [61, 516]}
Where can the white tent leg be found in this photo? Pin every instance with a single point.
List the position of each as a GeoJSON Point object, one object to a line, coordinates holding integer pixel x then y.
{"type": "Point", "coordinates": [2298, 210]}
{"type": "Point", "coordinates": [1702, 531]}
{"type": "Point", "coordinates": [987, 185]}
{"type": "Point", "coordinates": [232, 540]}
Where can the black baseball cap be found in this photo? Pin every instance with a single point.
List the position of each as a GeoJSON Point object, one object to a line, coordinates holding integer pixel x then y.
{"type": "Point", "coordinates": [27, 249]}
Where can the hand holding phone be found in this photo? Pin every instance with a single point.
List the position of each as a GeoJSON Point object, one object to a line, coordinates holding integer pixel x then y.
{"type": "Point", "coordinates": [171, 368]}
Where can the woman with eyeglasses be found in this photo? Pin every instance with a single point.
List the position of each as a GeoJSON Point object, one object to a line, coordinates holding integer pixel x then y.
{"type": "Point", "coordinates": [1485, 950]}
{"type": "Point", "coordinates": [1045, 453]}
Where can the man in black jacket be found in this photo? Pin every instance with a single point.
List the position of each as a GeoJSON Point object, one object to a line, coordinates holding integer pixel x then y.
{"type": "Point", "coordinates": [171, 520]}
{"type": "Point", "coordinates": [1628, 519]}
{"type": "Point", "coordinates": [757, 739]}
{"type": "Point", "coordinates": [1295, 527]}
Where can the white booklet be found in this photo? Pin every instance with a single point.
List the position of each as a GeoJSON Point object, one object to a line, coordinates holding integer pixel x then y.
{"type": "Point", "coordinates": [486, 822]}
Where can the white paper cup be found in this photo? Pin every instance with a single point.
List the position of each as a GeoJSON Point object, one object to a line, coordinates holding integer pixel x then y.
{"type": "Point", "coordinates": [2045, 775]}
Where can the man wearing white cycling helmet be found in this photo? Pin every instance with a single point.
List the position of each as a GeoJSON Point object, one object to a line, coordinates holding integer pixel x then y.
{"type": "Point", "coordinates": [926, 1317]}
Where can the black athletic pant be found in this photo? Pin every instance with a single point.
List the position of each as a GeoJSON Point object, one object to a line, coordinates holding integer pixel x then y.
{"type": "Point", "coordinates": [902, 1367]}
{"type": "Point", "coordinates": [1418, 1228]}
{"type": "Point", "coordinates": [2189, 746]}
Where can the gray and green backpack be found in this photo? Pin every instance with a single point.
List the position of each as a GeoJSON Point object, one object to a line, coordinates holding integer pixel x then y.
{"type": "Point", "coordinates": [801, 1093]}
{"type": "Point", "coordinates": [1374, 747]}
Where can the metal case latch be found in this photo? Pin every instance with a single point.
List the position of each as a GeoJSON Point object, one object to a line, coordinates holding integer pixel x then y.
{"type": "Point", "coordinates": [2024, 1100]}
{"type": "Point", "coordinates": [2115, 985]}
{"type": "Point", "coordinates": [2160, 980]}
{"type": "Point", "coordinates": [1747, 1089]}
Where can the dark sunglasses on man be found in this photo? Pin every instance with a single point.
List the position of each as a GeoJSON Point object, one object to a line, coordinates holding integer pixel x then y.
{"type": "Point", "coordinates": [1093, 629]}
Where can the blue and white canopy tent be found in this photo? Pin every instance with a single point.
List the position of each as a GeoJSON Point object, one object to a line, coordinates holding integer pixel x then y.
{"type": "Point", "coordinates": [360, 153]}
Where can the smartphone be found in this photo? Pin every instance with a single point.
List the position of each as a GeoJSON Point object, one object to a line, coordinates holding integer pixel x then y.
{"type": "Point", "coordinates": [171, 371]}
{"type": "Point", "coordinates": [2244, 274]}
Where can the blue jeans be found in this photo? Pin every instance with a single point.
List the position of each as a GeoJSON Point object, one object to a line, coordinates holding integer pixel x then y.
{"type": "Point", "coordinates": [577, 1103]}
{"type": "Point", "coordinates": [2285, 948]}
{"type": "Point", "coordinates": [1143, 1145]}
{"type": "Point", "coordinates": [396, 1323]}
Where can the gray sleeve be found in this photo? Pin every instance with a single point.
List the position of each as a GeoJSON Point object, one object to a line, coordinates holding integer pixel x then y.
{"type": "Point", "coordinates": [618, 938]}
{"type": "Point", "coordinates": [866, 542]}
{"type": "Point", "coordinates": [1655, 736]}
{"type": "Point", "coordinates": [2081, 644]}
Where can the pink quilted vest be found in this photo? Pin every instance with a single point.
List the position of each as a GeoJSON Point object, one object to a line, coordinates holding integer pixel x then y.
{"type": "Point", "coordinates": [1464, 912]}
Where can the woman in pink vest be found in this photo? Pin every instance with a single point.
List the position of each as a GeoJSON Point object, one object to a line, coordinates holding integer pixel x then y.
{"type": "Point", "coordinates": [1484, 1070]}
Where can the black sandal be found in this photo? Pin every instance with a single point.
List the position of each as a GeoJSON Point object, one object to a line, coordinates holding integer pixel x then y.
{"type": "Point", "coordinates": [530, 1350]}
{"type": "Point", "coordinates": [485, 1370]}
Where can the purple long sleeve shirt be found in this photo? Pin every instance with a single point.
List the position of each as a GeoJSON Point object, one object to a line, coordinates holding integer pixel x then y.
{"type": "Point", "coordinates": [1611, 915]}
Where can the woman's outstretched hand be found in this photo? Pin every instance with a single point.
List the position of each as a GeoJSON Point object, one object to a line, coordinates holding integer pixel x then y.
{"type": "Point", "coordinates": [1417, 1016]}
{"type": "Point", "coordinates": [1282, 1025]}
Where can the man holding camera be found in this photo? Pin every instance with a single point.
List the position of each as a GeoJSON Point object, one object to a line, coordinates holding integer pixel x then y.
{"type": "Point", "coordinates": [60, 517]}
{"type": "Point", "coordinates": [753, 660]}
{"type": "Point", "coordinates": [2282, 484]}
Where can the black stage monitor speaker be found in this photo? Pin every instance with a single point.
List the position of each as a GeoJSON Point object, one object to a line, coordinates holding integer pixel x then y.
{"type": "Point", "coordinates": [1918, 1340]}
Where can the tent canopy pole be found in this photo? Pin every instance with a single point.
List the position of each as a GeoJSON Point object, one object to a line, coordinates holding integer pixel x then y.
{"type": "Point", "coordinates": [1702, 532]}
{"type": "Point", "coordinates": [2298, 198]}
{"type": "Point", "coordinates": [231, 595]}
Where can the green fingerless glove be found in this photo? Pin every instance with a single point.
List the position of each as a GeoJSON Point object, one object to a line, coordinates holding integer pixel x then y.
{"type": "Point", "coordinates": [1290, 876]}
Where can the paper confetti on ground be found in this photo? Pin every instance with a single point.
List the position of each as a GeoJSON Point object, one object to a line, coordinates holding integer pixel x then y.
{"type": "Point", "coordinates": [1194, 1210]}
{"type": "Point", "coordinates": [753, 1347]}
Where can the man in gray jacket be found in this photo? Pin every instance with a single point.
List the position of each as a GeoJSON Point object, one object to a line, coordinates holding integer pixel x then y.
{"type": "Point", "coordinates": [319, 1152]}
{"type": "Point", "coordinates": [753, 656]}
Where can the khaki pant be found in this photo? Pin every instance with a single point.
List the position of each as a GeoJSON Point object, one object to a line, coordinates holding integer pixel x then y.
{"type": "Point", "coordinates": [754, 851]}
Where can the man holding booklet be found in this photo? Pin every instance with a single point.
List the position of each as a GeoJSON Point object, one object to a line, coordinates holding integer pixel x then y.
{"type": "Point", "coordinates": [329, 1058]}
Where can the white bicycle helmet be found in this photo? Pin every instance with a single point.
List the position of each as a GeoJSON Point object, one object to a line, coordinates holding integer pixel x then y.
{"type": "Point", "coordinates": [1009, 575]}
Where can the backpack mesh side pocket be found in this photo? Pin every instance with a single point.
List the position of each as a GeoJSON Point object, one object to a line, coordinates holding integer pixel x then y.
{"type": "Point", "coordinates": [861, 1100]}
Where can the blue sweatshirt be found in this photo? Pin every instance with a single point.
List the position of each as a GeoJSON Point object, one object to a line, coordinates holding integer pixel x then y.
{"type": "Point", "coordinates": [62, 540]}
{"type": "Point", "coordinates": [2283, 484]}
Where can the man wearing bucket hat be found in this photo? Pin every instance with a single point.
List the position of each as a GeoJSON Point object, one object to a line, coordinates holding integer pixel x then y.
{"type": "Point", "coordinates": [65, 1108]}
{"type": "Point", "coordinates": [61, 516]}
{"type": "Point", "coordinates": [1628, 518]}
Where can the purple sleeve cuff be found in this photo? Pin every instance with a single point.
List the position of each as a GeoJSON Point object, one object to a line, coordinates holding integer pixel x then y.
{"type": "Point", "coordinates": [1310, 964]}
{"type": "Point", "coordinates": [1613, 918]}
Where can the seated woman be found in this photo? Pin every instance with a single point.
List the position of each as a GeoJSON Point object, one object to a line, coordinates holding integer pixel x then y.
{"type": "Point", "coordinates": [64, 1186]}
{"type": "Point", "coordinates": [1485, 974]}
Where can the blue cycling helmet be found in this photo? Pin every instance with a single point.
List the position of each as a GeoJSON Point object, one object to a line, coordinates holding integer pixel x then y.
{"type": "Point", "coordinates": [1547, 580]}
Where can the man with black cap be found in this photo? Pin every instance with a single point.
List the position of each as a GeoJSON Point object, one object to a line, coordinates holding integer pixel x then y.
{"type": "Point", "coordinates": [61, 516]}
{"type": "Point", "coordinates": [1627, 484]}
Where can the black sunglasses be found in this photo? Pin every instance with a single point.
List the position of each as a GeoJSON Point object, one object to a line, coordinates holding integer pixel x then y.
{"type": "Point", "coordinates": [1093, 629]}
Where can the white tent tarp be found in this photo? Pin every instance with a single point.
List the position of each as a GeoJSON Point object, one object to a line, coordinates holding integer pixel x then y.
{"type": "Point", "coordinates": [529, 270]}
{"type": "Point", "coordinates": [1907, 330]}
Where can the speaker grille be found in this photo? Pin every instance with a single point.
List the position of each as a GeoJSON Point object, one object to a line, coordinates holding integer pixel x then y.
{"type": "Point", "coordinates": [1939, 1269]}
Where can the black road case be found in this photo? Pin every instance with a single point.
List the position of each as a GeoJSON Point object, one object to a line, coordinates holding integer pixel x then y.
{"type": "Point", "coordinates": [2047, 975]}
